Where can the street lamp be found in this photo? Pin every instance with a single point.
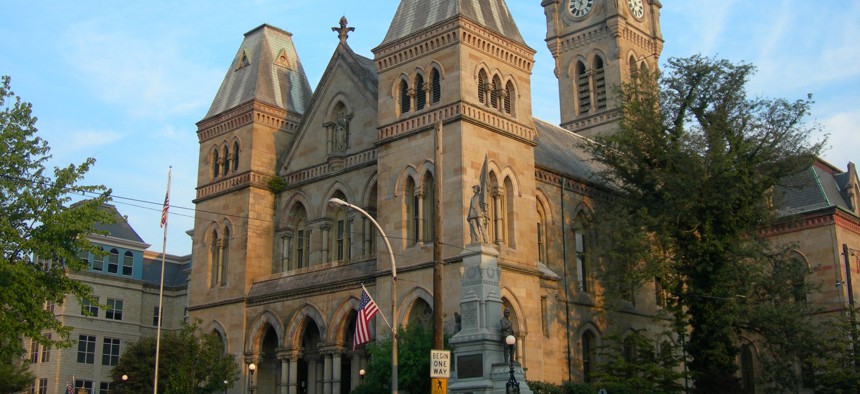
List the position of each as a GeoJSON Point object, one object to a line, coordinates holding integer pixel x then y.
{"type": "Point", "coordinates": [393, 289]}
{"type": "Point", "coordinates": [361, 373]}
{"type": "Point", "coordinates": [512, 386]}
{"type": "Point", "coordinates": [225, 386]}
{"type": "Point", "coordinates": [251, 369]}
{"type": "Point", "coordinates": [124, 378]}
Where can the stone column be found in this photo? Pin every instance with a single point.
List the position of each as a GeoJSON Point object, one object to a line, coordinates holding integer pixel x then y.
{"type": "Point", "coordinates": [294, 373]}
{"type": "Point", "coordinates": [335, 372]}
{"type": "Point", "coordinates": [326, 373]}
{"type": "Point", "coordinates": [284, 358]}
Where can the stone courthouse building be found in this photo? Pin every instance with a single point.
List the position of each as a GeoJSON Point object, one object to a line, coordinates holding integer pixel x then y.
{"type": "Point", "coordinates": [277, 269]}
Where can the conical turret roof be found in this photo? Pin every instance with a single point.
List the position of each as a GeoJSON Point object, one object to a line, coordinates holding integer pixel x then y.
{"type": "Point", "coordinates": [414, 15]}
{"type": "Point", "coordinates": [266, 69]}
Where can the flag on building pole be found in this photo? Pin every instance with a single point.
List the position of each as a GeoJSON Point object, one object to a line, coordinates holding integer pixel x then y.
{"type": "Point", "coordinates": [70, 388]}
{"type": "Point", "coordinates": [366, 310]}
{"type": "Point", "coordinates": [166, 206]}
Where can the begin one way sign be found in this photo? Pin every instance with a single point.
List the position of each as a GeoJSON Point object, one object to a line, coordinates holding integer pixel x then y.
{"type": "Point", "coordinates": [440, 364]}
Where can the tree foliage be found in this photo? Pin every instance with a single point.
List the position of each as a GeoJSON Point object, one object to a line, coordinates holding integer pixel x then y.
{"type": "Point", "coordinates": [189, 363]}
{"type": "Point", "coordinates": [637, 362]}
{"type": "Point", "coordinates": [36, 219]}
{"type": "Point", "coordinates": [695, 162]}
{"type": "Point", "coordinates": [414, 343]}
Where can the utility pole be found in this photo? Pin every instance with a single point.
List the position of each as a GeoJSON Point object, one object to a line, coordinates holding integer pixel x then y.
{"type": "Point", "coordinates": [438, 305]}
{"type": "Point", "coordinates": [851, 313]}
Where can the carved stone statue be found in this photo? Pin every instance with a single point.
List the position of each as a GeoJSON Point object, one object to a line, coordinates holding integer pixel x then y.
{"type": "Point", "coordinates": [341, 131]}
{"type": "Point", "coordinates": [507, 328]}
{"type": "Point", "coordinates": [477, 216]}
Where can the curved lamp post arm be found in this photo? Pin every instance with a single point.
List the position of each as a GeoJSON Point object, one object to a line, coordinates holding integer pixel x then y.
{"type": "Point", "coordinates": [393, 287]}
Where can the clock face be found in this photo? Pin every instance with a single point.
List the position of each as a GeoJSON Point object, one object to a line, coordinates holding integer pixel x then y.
{"type": "Point", "coordinates": [636, 8]}
{"type": "Point", "coordinates": [580, 7]}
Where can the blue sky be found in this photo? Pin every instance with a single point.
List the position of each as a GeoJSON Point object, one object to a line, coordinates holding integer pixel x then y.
{"type": "Point", "coordinates": [125, 82]}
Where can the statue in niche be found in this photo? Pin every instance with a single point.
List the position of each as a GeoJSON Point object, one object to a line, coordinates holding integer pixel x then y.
{"type": "Point", "coordinates": [477, 216]}
{"type": "Point", "coordinates": [340, 131]}
{"type": "Point", "coordinates": [507, 328]}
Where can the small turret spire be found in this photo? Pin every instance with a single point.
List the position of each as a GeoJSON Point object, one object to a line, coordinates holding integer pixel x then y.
{"type": "Point", "coordinates": [343, 31]}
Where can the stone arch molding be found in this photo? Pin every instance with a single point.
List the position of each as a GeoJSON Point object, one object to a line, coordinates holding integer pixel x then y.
{"type": "Point", "coordinates": [255, 333]}
{"type": "Point", "coordinates": [295, 329]}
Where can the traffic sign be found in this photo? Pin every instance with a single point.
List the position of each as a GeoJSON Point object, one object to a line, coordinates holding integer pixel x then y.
{"type": "Point", "coordinates": [440, 364]}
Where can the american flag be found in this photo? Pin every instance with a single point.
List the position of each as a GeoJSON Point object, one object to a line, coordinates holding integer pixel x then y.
{"type": "Point", "coordinates": [164, 210]}
{"type": "Point", "coordinates": [69, 388]}
{"type": "Point", "coordinates": [366, 310]}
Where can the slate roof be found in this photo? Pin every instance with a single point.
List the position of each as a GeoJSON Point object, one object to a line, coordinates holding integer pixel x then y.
{"type": "Point", "coordinates": [283, 85]}
{"type": "Point", "coordinates": [817, 187]}
{"type": "Point", "coordinates": [347, 275]}
{"type": "Point", "coordinates": [415, 15]}
{"type": "Point", "coordinates": [175, 275]}
{"type": "Point", "coordinates": [562, 150]}
{"type": "Point", "coordinates": [120, 228]}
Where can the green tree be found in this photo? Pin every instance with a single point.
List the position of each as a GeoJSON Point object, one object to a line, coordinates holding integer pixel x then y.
{"type": "Point", "coordinates": [636, 362]}
{"type": "Point", "coordinates": [190, 362]}
{"type": "Point", "coordinates": [36, 219]}
{"type": "Point", "coordinates": [695, 162]}
{"type": "Point", "coordinates": [414, 343]}
{"type": "Point", "coordinates": [14, 377]}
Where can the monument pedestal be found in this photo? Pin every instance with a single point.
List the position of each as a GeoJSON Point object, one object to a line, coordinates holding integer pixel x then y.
{"type": "Point", "coordinates": [479, 350]}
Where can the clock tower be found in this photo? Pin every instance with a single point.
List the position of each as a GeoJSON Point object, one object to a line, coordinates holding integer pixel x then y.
{"type": "Point", "coordinates": [597, 45]}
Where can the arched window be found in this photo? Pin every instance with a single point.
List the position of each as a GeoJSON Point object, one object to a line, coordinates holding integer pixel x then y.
{"type": "Point", "coordinates": [216, 163]}
{"type": "Point", "coordinates": [496, 92]}
{"type": "Point", "coordinates": [235, 156]}
{"type": "Point", "coordinates": [113, 261]}
{"type": "Point", "coordinates": [225, 256]}
{"type": "Point", "coordinates": [599, 83]}
{"type": "Point", "coordinates": [583, 260]}
{"type": "Point", "coordinates": [435, 86]}
{"type": "Point", "coordinates": [541, 234]}
{"type": "Point", "coordinates": [214, 259]}
{"type": "Point", "coordinates": [411, 199]}
{"type": "Point", "coordinates": [342, 241]}
{"type": "Point", "coordinates": [405, 100]}
{"type": "Point", "coordinates": [127, 263]}
{"type": "Point", "coordinates": [509, 235]}
{"type": "Point", "coordinates": [583, 89]}
{"type": "Point", "coordinates": [420, 93]}
{"type": "Point", "coordinates": [510, 96]}
{"type": "Point", "coordinates": [420, 313]}
{"type": "Point", "coordinates": [482, 87]}
{"type": "Point", "coordinates": [588, 352]}
{"type": "Point", "coordinates": [226, 157]}
{"type": "Point", "coordinates": [634, 69]}
{"type": "Point", "coordinates": [295, 244]}
{"type": "Point", "coordinates": [428, 212]}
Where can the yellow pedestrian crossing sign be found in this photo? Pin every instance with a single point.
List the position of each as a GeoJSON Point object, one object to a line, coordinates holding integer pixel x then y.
{"type": "Point", "coordinates": [440, 386]}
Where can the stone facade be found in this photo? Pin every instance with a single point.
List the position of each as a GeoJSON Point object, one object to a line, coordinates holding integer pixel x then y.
{"type": "Point", "coordinates": [278, 269]}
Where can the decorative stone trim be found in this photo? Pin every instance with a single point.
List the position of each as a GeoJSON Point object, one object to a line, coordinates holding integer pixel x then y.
{"type": "Point", "coordinates": [251, 112]}
{"type": "Point", "coordinates": [329, 168]}
{"type": "Point", "coordinates": [460, 30]}
{"type": "Point", "coordinates": [235, 182]}
{"type": "Point", "coordinates": [478, 115]}
{"type": "Point", "coordinates": [593, 120]}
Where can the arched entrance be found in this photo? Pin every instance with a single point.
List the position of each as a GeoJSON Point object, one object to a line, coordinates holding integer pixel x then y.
{"type": "Point", "coordinates": [310, 374]}
{"type": "Point", "coordinates": [268, 364]}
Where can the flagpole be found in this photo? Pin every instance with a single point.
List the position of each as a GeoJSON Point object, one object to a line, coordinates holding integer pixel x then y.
{"type": "Point", "coordinates": [161, 284]}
